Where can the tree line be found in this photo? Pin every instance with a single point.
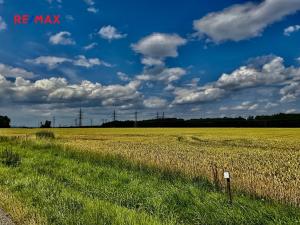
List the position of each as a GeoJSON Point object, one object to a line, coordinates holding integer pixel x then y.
{"type": "Point", "coordinates": [278, 120]}
{"type": "Point", "coordinates": [4, 122]}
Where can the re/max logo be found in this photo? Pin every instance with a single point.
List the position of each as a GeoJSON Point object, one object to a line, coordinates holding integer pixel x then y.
{"type": "Point", "coordinates": [39, 19]}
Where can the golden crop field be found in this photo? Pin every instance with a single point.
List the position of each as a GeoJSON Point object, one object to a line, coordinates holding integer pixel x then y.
{"type": "Point", "coordinates": [263, 162]}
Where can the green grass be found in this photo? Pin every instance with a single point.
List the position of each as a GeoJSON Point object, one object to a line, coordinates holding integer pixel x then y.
{"type": "Point", "coordinates": [68, 187]}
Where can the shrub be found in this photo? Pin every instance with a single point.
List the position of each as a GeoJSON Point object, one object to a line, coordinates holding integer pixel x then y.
{"type": "Point", "coordinates": [45, 134]}
{"type": "Point", "coordinates": [10, 158]}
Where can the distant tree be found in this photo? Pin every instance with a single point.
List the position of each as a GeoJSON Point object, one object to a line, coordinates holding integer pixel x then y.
{"type": "Point", "coordinates": [47, 124]}
{"type": "Point", "coordinates": [4, 122]}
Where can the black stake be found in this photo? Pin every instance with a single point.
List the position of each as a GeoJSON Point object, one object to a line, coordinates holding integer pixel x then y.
{"type": "Point", "coordinates": [227, 177]}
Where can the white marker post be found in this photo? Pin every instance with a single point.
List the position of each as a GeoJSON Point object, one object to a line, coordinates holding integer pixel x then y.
{"type": "Point", "coordinates": [227, 178]}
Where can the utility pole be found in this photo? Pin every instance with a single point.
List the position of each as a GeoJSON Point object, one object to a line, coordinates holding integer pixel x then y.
{"type": "Point", "coordinates": [80, 117]}
{"type": "Point", "coordinates": [135, 119]}
{"type": "Point", "coordinates": [114, 116]}
{"type": "Point", "coordinates": [53, 120]}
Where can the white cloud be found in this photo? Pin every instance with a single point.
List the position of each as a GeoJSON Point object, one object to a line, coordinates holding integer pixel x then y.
{"type": "Point", "coordinates": [158, 46]}
{"type": "Point", "coordinates": [152, 62]}
{"type": "Point", "coordinates": [3, 25]}
{"type": "Point", "coordinates": [290, 111]}
{"type": "Point", "coordinates": [123, 76]}
{"type": "Point", "coordinates": [92, 10]}
{"type": "Point", "coordinates": [155, 102]}
{"type": "Point", "coordinates": [155, 48]}
{"type": "Point", "coordinates": [273, 72]}
{"type": "Point", "coordinates": [291, 29]}
{"type": "Point", "coordinates": [110, 33]}
{"type": "Point", "coordinates": [52, 61]}
{"type": "Point", "coordinates": [167, 75]}
{"type": "Point", "coordinates": [58, 90]}
{"type": "Point", "coordinates": [62, 38]}
{"type": "Point", "coordinates": [244, 106]}
{"type": "Point", "coordinates": [270, 105]}
{"type": "Point", "coordinates": [9, 71]}
{"type": "Point", "coordinates": [203, 94]}
{"type": "Point", "coordinates": [85, 62]}
{"type": "Point", "coordinates": [291, 92]}
{"type": "Point", "coordinates": [243, 21]}
{"type": "Point", "coordinates": [89, 2]}
{"type": "Point", "coordinates": [90, 46]}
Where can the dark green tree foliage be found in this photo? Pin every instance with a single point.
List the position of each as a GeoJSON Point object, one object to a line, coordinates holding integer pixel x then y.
{"type": "Point", "coordinates": [47, 124]}
{"type": "Point", "coordinates": [4, 122]}
{"type": "Point", "coordinates": [278, 120]}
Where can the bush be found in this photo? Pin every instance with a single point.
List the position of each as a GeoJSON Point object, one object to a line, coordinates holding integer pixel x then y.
{"type": "Point", "coordinates": [10, 158]}
{"type": "Point", "coordinates": [45, 134]}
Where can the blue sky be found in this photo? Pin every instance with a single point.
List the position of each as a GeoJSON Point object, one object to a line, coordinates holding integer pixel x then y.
{"type": "Point", "coordinates": [188, 59]}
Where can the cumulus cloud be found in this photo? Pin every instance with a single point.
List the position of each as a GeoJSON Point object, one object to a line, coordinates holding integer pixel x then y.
{"type": "Point", "coordinates": [52, 61]}
{"type": "Point", "coordinates": [154, 49]}
{"type": "Point", "coordinates": [13, 72]}
{"type": "Point", "coordinates": [59, 90]}
{"type": "Point", "coordinates": [155, 102]}
{"type": "Point", "coordinates": [291, 29]}
{"type": "Point", "coordinates": [290, 92]}
{"type": "Point", "coordinates": [110, 33]}
{"type": "Point", "coordinates": [271, 73]}
{"type": "Point", "coordinates": [3, 25]}
{"type": "Point", "coordinates": [62, 38]}
{"type": "Point", "coordinates": [158, 46]}
{"type": "Point", "coordinates": [243, 21]}
{"type": "Point", "coordinates": [166, 75]}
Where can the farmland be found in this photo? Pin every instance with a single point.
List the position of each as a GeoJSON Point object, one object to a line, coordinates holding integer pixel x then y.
{"type": "Point", "coordinates": [152, 176]}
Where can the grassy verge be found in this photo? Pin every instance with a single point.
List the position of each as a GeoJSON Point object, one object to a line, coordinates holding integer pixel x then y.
{"type": "Point", "coordinates": [69, 187]}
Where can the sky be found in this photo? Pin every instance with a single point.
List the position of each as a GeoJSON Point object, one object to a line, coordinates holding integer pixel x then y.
{"type": "Point", "coordinates": [188, 59]}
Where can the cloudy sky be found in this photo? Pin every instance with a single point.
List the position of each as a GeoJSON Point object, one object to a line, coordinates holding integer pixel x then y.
{"type": "Point", "coordinates": [189, 59]}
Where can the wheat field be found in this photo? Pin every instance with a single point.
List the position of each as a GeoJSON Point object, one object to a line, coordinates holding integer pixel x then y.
{"type": "Point", "coordinates": [262, 162]}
